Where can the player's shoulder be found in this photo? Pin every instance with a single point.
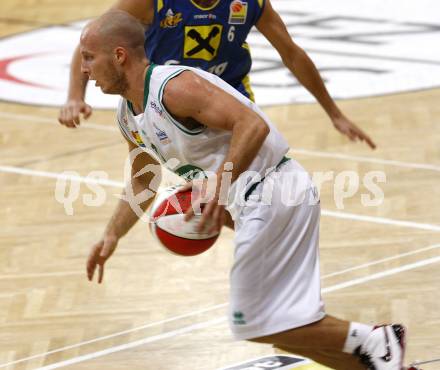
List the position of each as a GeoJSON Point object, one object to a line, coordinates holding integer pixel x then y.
{"type": "Point", "coordinates": [123, 113]}
{"type": "Point", "coordinates": [161, 75]}
{"type": "Point", "coordinates": [161, 70]}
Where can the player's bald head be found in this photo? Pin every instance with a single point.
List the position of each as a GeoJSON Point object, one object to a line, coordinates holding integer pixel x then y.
{"type": "Point", "coordinates": [116, 28]}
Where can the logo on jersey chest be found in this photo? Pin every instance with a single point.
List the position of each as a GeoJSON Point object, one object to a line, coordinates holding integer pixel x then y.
{"type": "Point", "coordinates": [138, 138]}
{"type": "Point", "coordinates": [238, 12]}
{"type": "Point", "coordinates": [171, 20]}
{"type": "Point", "coordinates": [205, 16]}
{"type": "Point", "coordinates": [202, 42]}
{"type": "Point", "coordinates": [161, 135]}
{"type": "Point", "coordinates": [156, 108]}
{"type": "Point", "coordinates": [190, 172]}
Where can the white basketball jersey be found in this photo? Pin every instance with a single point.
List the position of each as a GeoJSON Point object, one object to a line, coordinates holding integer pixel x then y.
{"type": "Point", "coordinates": [187, 152]}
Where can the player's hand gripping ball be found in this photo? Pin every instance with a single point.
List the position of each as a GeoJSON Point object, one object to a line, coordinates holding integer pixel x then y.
{"type": "Point", "coordinates": [167, 224]}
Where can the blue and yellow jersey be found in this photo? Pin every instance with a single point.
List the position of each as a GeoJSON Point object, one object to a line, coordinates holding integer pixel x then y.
{"type": "Point", "coordinates": [212, 38]}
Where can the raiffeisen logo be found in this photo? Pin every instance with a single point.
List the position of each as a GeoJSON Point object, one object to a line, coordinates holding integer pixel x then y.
{"type": "Point", "coordinates": [358, 53]}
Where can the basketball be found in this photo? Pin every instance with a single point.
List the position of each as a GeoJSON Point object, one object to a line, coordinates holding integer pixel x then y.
{"type": "Point", "coordinates": [236, 6]}
{"type": "Point", "coordinates": [167, 224]}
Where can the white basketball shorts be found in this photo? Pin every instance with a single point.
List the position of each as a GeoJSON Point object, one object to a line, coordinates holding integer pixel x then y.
{"type": "Point", "coordinates": [275, 282]}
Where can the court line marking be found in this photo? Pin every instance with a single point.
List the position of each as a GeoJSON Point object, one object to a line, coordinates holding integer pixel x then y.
{"type": "Point", "coordinates": [60, 176]}
{"type": "Point", "coordinates": [110, 336]}
{"type": "Point", "coordinates": [386, 259]}
{"type": "Point", "coordinates": [389, 162]}
{"type": "Point", "coordinates": [324, 212]}
{"type": "Point", "coordinates": [123, 347]}
{"type": "Point", "coordinates": [337, 273]}
{"type": "Point", "coordinates": [31, 118]}
{"type": "Point", "coordinates": [212, 308]}
{"type": "Point", "coordinates": [42, 275]}
{"type": "Point", "coordinates": [206, 324]}
{"type": "Point", "coordinates": [71, 153]}
{"type": "Point", "coordinates": [380, 220]}
{"type": "Point", "coordinates": [313, 153]}
{"type": "Point", "coordinates": [382, 274]}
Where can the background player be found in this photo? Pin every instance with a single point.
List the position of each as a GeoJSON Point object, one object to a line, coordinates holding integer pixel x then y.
{"type": "Point", "coordinates": [211, 34]}
{"type": "Point", "coordinates": [275, 288]}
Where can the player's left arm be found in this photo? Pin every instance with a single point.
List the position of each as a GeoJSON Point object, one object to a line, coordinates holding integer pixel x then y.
{"type": "Point", "coordinates": [297, 61]}
{"type": "Point", "coordinates": [191, 96]}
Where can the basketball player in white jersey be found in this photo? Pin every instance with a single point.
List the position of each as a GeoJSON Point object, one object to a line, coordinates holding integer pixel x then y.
{"type": "Point", "coordinates": [193, 119]}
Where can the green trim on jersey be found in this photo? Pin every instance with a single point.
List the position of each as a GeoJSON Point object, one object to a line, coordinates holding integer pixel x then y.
{"type": "Point", "coordinates": [175, 122]}
{"type": "Point", "coordinates": [130, 107]}
{"type": "Point", "coordinates": [146, 89]}
{"type": "Point", "coordinates": [255, 184]}
{"type": "Point", "coordinates": [147, 83]}
{"type": "Point", "coordinates": [190, 172]}
{"type": "Point", "coordinates": [122, 129]}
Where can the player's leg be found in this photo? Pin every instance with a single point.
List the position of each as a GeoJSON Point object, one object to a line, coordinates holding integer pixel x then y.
{"type": "Point", "coordinates": [328, 334]}
{"type": "Point", "coordinates": [322, 341]}
{"type": "Point", "coordinates": [343, 345]}
{"type": "Point", "coordinates": [338, 360]}
{"type": "Point", "coordinates": [275, 283]}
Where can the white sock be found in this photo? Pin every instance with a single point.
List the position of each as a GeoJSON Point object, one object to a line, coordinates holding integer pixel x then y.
{"type": "Point", "coordinates": [357, 333]}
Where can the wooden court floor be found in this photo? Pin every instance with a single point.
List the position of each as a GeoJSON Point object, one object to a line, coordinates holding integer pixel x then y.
{"type": "Point", "coordinates": [379, 264]}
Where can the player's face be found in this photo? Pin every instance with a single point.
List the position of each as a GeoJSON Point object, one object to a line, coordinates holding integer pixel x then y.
{"type": "Point", "coordinates": [98, 64]}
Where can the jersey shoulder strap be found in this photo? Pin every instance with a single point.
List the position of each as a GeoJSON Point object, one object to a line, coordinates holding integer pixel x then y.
{"type": "Point", "coordinates": [124, 121]}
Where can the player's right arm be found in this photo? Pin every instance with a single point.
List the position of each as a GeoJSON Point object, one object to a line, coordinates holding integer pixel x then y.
{"type": "Point", "coordinates": [75, 105]}
{"type": "Point", "coordinates": [124, 216]}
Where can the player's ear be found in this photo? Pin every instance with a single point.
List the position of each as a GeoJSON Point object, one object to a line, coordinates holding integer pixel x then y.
{"type": "Point", "coordinates": [120, 55]}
